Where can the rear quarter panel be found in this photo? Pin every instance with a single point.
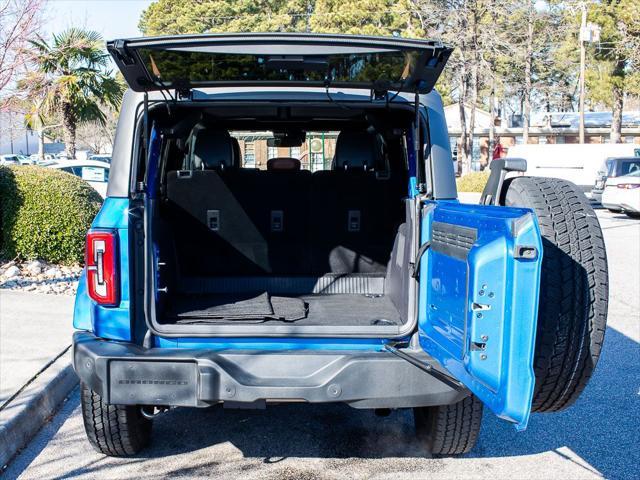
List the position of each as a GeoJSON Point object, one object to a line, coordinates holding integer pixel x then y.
{"type": "Point", "coordinates": [108, 322]}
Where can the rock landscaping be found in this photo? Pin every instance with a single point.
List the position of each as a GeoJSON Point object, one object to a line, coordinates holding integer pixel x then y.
{"type": "Point", "coordinates": [39, 277]}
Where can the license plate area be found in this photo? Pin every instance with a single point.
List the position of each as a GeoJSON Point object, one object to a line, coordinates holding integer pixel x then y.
{"type": "Point", "coordinates": [153, 383]}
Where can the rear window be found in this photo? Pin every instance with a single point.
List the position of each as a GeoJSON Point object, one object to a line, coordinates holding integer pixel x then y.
{"type": "Point", "coordinates": [629, 166]}
{"type": "Point", "coordinates": [315, 153]}
{"type": "Point", "coordinates": [176, 67]}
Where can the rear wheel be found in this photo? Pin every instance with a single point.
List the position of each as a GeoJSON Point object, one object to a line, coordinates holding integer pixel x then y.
{"type": "Point", "coordinates": [633, 214]}
{"type": "Point", "coordinates": [574, 289]}
{"type": "Point", "coordinates": [449, 429]}
{"type": "Point", "coordinates": [115, 430]}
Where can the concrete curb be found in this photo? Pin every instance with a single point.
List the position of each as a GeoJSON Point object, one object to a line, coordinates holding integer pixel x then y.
{"type": "Point", "coordinates": [25, 414]}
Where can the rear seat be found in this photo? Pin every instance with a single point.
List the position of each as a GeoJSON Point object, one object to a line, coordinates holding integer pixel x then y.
{"type": "Point", "coordinates": [231, 221]}
{"type": "Point", "coordinates": [352, 227]}
{"type": "Point", "coordinates": [285, 193]}
{"type": "Point", "coordinates": [234, 221]}
{"type": "Point", "coordinates": [211, 207]}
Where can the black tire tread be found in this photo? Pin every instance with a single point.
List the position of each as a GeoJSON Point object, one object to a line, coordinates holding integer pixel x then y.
{"type": "Point", "coordinates": [114, 430]}
{"type": "Point", "coordinates": [572, 312]}
{"type": "Point", "coordinates": [450, 429]}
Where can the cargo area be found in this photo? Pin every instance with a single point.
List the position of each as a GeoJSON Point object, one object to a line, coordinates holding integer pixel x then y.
{"type": "Point", "coordinates": [282, 246]}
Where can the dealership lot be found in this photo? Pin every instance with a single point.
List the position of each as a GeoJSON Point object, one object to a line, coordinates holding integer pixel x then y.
{"type": "Point", "coordinates": [597, 437]}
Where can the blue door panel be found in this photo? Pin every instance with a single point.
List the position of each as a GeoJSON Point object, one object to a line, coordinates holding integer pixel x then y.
{"type": "Point", "coordinates": [478, 302]}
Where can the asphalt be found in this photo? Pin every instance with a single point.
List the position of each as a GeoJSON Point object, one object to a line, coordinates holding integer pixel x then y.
{"type": "Point", "coordinates": [598, 437]}
{"type": "Point", "coordinates": [34, 328]}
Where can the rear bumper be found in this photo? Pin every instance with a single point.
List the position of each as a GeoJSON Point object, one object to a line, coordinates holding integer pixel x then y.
{"type": "Point", "coordinates": [124, 373]}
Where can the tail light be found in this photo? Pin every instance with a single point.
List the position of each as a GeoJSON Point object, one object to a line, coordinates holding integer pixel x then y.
{"type": "Point", "coordinates": [628, 186]}
{"type": "Point", "coordinates": [101, 260]}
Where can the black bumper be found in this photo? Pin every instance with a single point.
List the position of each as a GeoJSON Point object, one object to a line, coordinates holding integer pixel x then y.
{"type": "Point", "coordinates": [124, 373]}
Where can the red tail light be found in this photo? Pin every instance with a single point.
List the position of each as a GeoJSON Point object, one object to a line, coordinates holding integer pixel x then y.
{"type": "Point", "coordinates": [628, 185]}
{"type": "Point", "coordinates": [101, 260]}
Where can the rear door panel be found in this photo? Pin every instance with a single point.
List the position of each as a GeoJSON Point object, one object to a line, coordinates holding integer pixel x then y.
{"type": "Point", "coordinates": [478, 300]}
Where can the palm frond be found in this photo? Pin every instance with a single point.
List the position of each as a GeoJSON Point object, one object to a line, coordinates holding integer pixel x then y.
{"type": "Point", "coordinates": [71, 79]}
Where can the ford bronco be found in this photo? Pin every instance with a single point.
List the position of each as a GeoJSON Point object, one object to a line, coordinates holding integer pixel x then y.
{"type": "Point", "coordinates": [231, 264]}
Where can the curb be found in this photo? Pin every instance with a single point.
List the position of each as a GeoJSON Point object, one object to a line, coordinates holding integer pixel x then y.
{"type": "Point", "coordinates": [27, 412]}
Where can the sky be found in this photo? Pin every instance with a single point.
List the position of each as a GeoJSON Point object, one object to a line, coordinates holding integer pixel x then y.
{"type": "Point", "coordinates": [111, 18]}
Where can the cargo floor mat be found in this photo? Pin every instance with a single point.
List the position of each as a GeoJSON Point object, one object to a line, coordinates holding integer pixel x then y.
{"type": "Point", "coordinates": [211, 308]}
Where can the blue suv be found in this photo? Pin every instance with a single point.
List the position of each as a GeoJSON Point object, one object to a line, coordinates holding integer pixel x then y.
{"type": "Point", "coordinates": [232, 264]}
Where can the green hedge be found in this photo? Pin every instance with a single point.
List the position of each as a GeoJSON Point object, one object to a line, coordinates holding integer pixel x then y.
{"type": "Point", "coordinates": [45, 214]}
{"type": "Point", "coordinates": [473, 182]}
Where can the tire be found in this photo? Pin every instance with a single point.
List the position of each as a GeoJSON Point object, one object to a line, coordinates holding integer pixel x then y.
{"type": "Point", "coordinates": [449, 429]}
{"type": "Point", "coordinates": [614, 210]}
{"type": "Point", "coordinates": [574, 289]}
{"type": "Point", "coordinates": [114, 430]}
{"type": "Point", "coordinates": [633, 214]}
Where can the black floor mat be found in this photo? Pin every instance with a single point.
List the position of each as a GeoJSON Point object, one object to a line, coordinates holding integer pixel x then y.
{"type": "Point", "coordinates": [205, 309]}
{"type": "Point", "coordinates": [307, 310]}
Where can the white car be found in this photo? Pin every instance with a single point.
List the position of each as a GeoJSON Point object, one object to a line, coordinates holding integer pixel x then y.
{"type": "Point", "coordinates": [9, 160]}
{"type": "Point", "coordinates": [100, 158]}
{"type": "Point", "coordinates": [94, 172]}
{"type": "Point", "coordinates": [623, 194]}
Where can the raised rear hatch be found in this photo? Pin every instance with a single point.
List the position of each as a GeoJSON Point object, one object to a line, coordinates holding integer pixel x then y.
{"type": "Point", "coordinates": [280, 59]}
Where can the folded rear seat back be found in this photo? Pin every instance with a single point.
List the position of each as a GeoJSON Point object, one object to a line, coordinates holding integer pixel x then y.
{"type": "Point", "coordinates": [238, 222]}
{"type": "Point", "coordinates": [214, 204]}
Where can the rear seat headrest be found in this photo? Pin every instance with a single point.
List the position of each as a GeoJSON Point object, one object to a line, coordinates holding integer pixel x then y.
{"type": "Point", "coordinates": [283, 163]}
{"type": "Point", "coordinates": [357, 150]}
{"type": "Point", "coordinates": [210, 148]}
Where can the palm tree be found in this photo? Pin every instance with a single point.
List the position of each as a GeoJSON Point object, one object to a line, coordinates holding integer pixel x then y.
{"type": "Point", "coordinates": [71, 82]}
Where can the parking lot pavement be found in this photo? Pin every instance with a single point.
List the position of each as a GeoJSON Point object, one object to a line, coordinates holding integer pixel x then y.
{"type": "Point", "coordinates": [34, 329]}
{"type": "Point", "coordinates": [598, 436]}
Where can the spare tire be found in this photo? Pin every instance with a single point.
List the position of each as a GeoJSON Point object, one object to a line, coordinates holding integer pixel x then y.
{"type": "Point", "coordinates": [574, 288]}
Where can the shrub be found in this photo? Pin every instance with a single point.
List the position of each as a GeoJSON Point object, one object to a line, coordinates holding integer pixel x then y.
{"type": "Point", "coordinates": [473, 182]}
{"type": "Point", "coordinates": [44, 213]}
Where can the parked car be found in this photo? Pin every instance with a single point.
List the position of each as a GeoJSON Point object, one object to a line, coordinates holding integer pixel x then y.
{"type": "Point", "coordinates": [24, 160]}
{"type": "Point", "coordinates": [95, 173]}
{"type": "Point", "coordinates": [622, 194]}
{"type": "Point", "coordinates": [101, 158]}
{"type": "Point", "coordinates": [612, 168]}
{"type": "Point", "coordinates": [9, 160]}
{"type": "Point", "coordinates": [366, 283]}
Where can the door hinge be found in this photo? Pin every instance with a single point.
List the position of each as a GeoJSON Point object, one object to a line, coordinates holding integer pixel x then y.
{"type": "Point", "coordinates": [123, 53]}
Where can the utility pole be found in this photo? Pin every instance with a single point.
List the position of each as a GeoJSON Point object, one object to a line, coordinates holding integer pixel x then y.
{"type": "Point", "coordinates": [583, 58]}
{"type": "Point", "coordinates": [309, 11]}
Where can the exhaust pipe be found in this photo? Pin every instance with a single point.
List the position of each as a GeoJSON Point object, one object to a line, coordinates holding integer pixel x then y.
{"type": "Point", "coordinates": [149, 411]}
